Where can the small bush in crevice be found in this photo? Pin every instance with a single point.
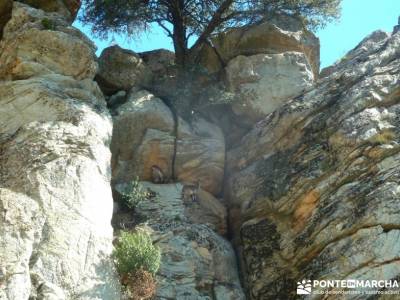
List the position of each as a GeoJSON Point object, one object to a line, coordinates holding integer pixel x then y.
{"type": "Point", "coordinates": [48, 24]}
{"type": "Point", "coordinates": [137, 260]}
{"type": "Point", "coordinates": [135, 251]}
{"type": "Point", "coordinates": [134, 194]}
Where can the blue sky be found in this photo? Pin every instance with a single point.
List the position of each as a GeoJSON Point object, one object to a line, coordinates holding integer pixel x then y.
{"type": "Point", "coordinates": [359, 18]}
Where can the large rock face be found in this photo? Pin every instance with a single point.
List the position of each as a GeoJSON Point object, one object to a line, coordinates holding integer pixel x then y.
{"type": "Point", "coordinates": [121, 69]}
{"type": "Point", "coordinates": [29, 48]}
{"type": "Point", "coordinates": [196, 262]}
{"type": "Point", "coordinates": [55, 195]}
{"type": "Point", "coordinates": [280, 34]}
{"type": "Point", "coordinates": [314, 187]}
{"type": "Point", "coordinates": [264, 82]}
{"type": "Point", "coordinates": [144, 136]}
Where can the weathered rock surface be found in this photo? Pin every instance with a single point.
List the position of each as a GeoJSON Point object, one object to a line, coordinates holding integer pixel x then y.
{"type": "Point", "coordinates": [144, 136]}
{"type": "Point", "coordinates": [264, 82]}
{"type": "Point", "coordinates": [278, 35]}
{"type": "Point", "coordinates": [29, 49]}
{"type": "Point", "coordinates": [121, 69]}
{"type": "Point", "coordinates": [66, 8]}
{"type": "Point", "coordinates": [55, 195]}
{"type": "Point", "coordinates": [196, 262]}
{"type": "Point", "coordinates": [314, 187]}
{"type": "Point", "coordinates": [158, 61]}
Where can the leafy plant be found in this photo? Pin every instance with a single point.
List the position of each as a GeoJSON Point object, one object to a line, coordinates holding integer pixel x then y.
{"type": "Point", "coordinates": [134, 194]}
{"type": "Point", "coordinates": [136, 251]}
{"type": "Point", "coordinates": [198, 19]}
{"type": "Point", "coordinates": [48, 24]}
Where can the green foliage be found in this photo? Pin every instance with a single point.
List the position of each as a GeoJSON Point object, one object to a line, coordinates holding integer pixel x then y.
{"type": "Point", "coordinates": [48, 24]}
{"type": "Point", "coordinates": [136, 251]}
{"type": "Point", "coordinates": [198, 18]}
{"type": "Point", "coordinates": [134, 194]}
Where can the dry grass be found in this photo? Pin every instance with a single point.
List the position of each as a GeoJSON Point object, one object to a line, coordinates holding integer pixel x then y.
{"type": "Point", "coordinates": [140, 284]}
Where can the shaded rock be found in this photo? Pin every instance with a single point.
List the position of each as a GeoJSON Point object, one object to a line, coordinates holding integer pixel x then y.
{"type": "Point", "coordinates": [262, 83]}
{"type": "Point", "coordinates": [280, 34]}
{"type": "Point", "coordinates": [121, 69]}
{"type": "Point", "coordinates": [208, 210]}
{"type": "Point", "coordinates": [5, 14]}
{"type": "Point", "coordinates": [313, 188]}
{"type": "Point", "coordinates": [168, 205]}
{"type": "Point", "coordinates": [397, 27]}
{"type": "Point", "coordinates": [67, 8]}
{"type": "Point", "coordinates": [144, 136]}
{"type": "Point", "coordinates": [196, 262]}
{"type": "Point", "coordinates": [158, 61]}
{"type": "Point", "coordinates": [142, 114]}
{"type": "Point", "coordinates": [200, 154]}
{"type": "Point", "coordinates": [116, 99]}
{"type": "Point", "coordinates": [29, 49]}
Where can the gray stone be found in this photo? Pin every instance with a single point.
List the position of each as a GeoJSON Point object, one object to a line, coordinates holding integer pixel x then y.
{"type": "Point", "coordinates": [144, 136]}
{"type": "Point", "coordinates": [277, 35]}
{"type": "Point", "coordinates": [314, 187]}
{"type": "Point", "coordinates": [28, 49]}
{"type": "Point", "coordinates": [264, 82]}
{"type": "Point", "coordinates": [196, 262]}
{"type": "Point", "coordinates": [121, 69]}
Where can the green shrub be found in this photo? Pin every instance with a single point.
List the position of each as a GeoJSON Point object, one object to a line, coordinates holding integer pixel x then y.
{"type": "Point", "coordinates": [136, 251]}
{"type": "Point", "coordinates": [134, 194]}
{"type": "Point", "coordinates": [48, 24]}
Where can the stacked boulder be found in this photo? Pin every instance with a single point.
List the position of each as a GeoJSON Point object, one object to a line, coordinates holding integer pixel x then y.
{"type": "Point", "coordinates": [263, 66]}
{"type": "Point", "coordinates": [147, 132]}
{"type": "Point", "coordinates": [197, 262]}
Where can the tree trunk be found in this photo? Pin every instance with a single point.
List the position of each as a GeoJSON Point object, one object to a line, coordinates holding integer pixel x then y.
{"type": "Point", "coordinates": [179, 33]}
{"type": "Point", "coordinates": [180, 46]}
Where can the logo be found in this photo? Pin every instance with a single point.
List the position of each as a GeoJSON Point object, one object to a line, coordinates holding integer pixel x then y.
{"type": "Point", "coordinates": [347, 287]}
{"type": "Point", "coordinates": [304, 287]}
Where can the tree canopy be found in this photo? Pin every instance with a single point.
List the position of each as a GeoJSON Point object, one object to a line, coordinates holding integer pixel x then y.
{"type": "Point", "coordinates": [183, 19]}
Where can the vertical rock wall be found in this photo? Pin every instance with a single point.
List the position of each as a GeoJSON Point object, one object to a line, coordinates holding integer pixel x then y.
{"type": "Point", "coordinates": [55, 196]}
{"type": "Point", "coordinates": [314, 187]}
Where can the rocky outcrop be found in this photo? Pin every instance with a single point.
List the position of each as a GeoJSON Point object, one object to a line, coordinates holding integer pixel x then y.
{"type": "Point", "coordinates": [279, 34]}
{"type": "Point", "coordinates": [314, 187]}
{"type": "Point", "coordinates": [264, 82]}
{"type": "Point", "coordinates": [311, 182]}
{"type": "Point", "coordinates": [30, 48]}
{"type": "Point", "coordinates": [158, 61]}
{"type": "Point", "coordinates": [55, 195]}
{"type": "Point", "coordinates": [144, 135]}
{"type": "Point", "coordinates": [121, 69]}
{"type": "Point", "coordinates": [196, 262]}
{"type": "Point", "coordinates": [246, 73]}
{"type": "Point", "coordinates": [67, 8]}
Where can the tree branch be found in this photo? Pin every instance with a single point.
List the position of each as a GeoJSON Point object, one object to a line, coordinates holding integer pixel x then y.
{"type": "Point", "coordinates": [161, 24]}
{"type": "Point", "coordinates": [214, 23]}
